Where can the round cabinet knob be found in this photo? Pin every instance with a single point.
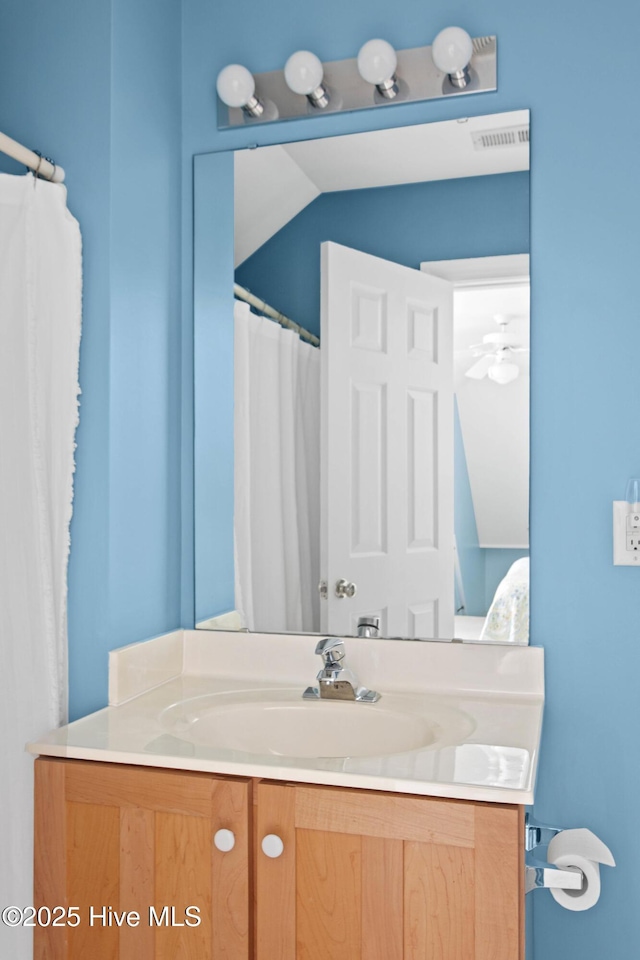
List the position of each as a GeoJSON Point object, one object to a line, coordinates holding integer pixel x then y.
{"type": "Point", "coordinates": [224, 840]}
{"type": "Point", "coordinates": [272, 846]}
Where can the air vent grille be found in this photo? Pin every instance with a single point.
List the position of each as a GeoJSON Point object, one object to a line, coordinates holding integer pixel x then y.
{"type": "Point", "coordinates": [484, 45]}
{"type": "Point", "coordinates": [507, 137]}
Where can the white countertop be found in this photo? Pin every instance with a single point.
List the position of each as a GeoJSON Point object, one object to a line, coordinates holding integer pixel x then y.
{"type": "Point", "coordinates": [495, 691]}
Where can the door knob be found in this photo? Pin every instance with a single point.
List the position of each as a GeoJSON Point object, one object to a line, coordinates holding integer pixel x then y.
{"type": "Point", "coordinates": [344, 588]}
{"type": "Point", "coordinates": [224, 840]}
{"type": "Point", "coordinates": [272, 846]}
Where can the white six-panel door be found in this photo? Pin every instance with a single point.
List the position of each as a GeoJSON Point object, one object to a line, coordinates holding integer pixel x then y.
{"type": "Point", "coordinates": [387, 445]}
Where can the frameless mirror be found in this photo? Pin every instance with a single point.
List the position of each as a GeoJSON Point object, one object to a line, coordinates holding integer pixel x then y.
{"type": "Point", "coordinates": [370, 382]}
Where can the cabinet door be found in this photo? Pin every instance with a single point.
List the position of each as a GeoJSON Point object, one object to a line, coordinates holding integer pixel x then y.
{"type": "Point", "coordinates": [111, 838]}
{"type": "Point", "coordinates": [379, 876]}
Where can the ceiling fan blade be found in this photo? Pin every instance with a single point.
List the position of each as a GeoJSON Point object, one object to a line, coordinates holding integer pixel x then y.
{"type": "Point", "coordinates": [479, 369]}
{"type": "Point", "coordinates": [478, 349]}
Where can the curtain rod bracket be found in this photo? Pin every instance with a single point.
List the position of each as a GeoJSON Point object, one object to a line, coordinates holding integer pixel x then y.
{"type": "Point", "coordinates": [43, 167]}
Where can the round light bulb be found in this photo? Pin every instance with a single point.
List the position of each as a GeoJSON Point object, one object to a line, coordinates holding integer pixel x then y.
{"type": "Point", "coordinates": [452, 50]}
{"type": "Point", "coordinates": [503, 373]}
{"type": "Point", "coordinates": [303, 72]}
{"type": "Point", "coordinates": [377, 61]}
{"type": "Point", "coordinates": [235, 85]}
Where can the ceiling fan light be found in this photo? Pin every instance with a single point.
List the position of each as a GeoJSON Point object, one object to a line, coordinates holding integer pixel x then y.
{"type": "Point", "coordinates": [503, 373]}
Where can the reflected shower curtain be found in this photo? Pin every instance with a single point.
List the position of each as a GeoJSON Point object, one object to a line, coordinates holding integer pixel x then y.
{"type": "Point", "coordinates": [277, 476]}
{"type": "Point", "coordinates": [40, 316]}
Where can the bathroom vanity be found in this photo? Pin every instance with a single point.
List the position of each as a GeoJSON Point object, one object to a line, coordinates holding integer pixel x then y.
{"type": "Point", "coordinates": [202, 790]}
{"type": "Point", "coordinates": [361, 874]}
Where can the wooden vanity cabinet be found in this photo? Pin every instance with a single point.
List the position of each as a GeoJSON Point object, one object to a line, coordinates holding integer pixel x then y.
{"type": "Point", "coordinates": [385, 876]}
{"type": "Point", "coordinates": [362, 875]}
{"type": "Point", "coordinates": [129, 838]}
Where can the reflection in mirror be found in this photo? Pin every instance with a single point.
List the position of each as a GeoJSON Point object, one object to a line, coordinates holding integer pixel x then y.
{"type": "Point", "coordinates": [380, 387]}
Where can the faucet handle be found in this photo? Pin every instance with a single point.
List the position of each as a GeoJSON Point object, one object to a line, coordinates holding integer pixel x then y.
{"type": "Point", "coordinates": [331, 649]}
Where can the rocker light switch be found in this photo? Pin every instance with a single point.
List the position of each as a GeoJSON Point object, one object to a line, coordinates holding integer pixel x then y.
{"type": "Point", "coordinates": [626, 535]}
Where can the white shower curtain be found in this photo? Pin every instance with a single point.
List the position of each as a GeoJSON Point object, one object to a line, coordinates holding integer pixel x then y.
{"type": "Point", "coordinates": [40, 316]}
{"type": "Point", "coordinates": [277, 476]}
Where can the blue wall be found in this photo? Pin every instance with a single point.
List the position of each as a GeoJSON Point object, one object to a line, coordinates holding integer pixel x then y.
{"type": "Point", "coordinates": [438, 220]}
{"type": "Point", "coordinates": [585, 432]}
{"type": "Point", "coordinates": [585, 438]}
{"type": "Point", "coordinates": [97, 86]}
{"type": "Point", "coordinates": [496, 566]}
{"type": "Point", "coordinates": [470, 554]}
{"type": "Point", "coordinates": [482, 568]}
{"type": "Point", "coordinates": [145, 332]}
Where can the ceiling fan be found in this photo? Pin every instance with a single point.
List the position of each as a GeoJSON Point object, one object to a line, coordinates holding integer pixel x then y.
{"type": "Point", "coordinates": [497, 355]}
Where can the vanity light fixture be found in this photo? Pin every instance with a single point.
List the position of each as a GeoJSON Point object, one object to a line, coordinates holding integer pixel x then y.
{"type": "Point", "coordinates": [303, 74]}
{"type": "Point", "coordinates": [452, 51]}
{"type": "Point", "coordinates": [377, 62]}
{"type": "Point", "coordinates": [455, 65]}
{"type": "Point", "coordinates": [236, 87]}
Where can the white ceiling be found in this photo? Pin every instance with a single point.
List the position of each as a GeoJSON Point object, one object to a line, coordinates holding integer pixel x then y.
{"type": "Point", "coordinates": [270, 189]}
{"type": "Point", "coordinates": [273, 184]}
{"type": "Point", "coordinates": [494, 418]}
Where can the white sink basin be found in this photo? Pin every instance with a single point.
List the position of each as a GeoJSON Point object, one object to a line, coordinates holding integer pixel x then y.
{"type": "Point", "coordinates": [306, 729]}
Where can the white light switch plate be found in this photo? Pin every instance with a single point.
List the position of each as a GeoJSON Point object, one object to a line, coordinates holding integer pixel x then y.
{"type": "Point", "coordinates": [626, 535]}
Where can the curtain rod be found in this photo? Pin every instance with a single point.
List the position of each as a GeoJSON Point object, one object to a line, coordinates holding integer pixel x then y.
{"type": "Point", "coordinates": [242, 294]}
{"type": "Point", "coordinates": [40, 165]}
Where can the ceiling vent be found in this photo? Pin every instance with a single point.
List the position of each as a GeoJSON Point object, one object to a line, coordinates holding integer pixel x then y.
{"type": "Point", "coordinates": [506, 137]}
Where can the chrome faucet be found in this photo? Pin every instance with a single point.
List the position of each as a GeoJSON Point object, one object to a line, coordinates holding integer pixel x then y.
{"type": "Point", "coordinates": [336, 682]}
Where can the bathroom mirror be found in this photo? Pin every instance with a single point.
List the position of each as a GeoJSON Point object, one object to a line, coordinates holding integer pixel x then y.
{"type": "Point", "coordinates": [362, 384]}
